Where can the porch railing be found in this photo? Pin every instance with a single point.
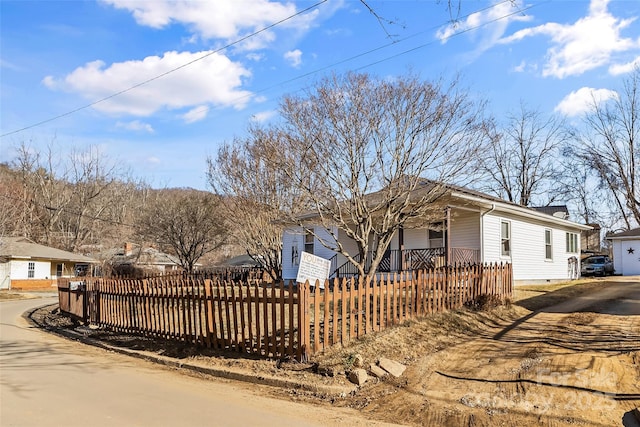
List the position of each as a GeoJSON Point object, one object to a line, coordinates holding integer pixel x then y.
{"type": "Point", "coordinates": [409, 260]}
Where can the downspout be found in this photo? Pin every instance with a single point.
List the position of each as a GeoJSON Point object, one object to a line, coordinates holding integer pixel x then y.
{"type": "Point", "coordinates": [493, 207]}
{"type": "Point", "coordinates": [448, 236]}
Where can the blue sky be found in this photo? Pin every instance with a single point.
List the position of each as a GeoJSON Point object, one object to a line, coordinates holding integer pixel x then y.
{"type": "Point", "coordinates": [57, 57]}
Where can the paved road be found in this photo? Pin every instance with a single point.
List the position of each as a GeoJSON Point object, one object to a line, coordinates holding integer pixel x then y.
{"type": "Point", "coordinates": [621, 296]}
{"type": "Point", "coordinates": [46, 380]}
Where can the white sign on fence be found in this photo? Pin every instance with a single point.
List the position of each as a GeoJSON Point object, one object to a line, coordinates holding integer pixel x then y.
{"type": "Point", "coordinates": [313, 268]}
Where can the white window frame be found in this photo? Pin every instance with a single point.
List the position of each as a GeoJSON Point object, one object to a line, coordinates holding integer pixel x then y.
{"type": "Point", "coordinates": [504, 239]}
{"type": "Point", "coordinates": [308, 241]}
{"type": "Point", "coordinates": [31, 270]}
{"type": "Point", "coordinates": [548, 244]}
{"type": "Point", "coordinates": [572, 243]}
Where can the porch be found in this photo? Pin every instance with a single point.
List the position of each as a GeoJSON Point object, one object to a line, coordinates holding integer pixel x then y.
{"type": "Point", "coordinates": [400, 260]}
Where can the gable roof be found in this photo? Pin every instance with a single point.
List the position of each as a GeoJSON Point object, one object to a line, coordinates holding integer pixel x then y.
{"type": "Point", "coordinates": [21, 247]}
{"type": "Point", "coordinates": [629, 234]}
{"type": "Point", "coordinates": [476, 198]}
{"type": "Point", "coordinates": [492, 203]}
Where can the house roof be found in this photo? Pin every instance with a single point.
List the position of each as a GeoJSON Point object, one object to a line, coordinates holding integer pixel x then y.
{"type": "Point", "coordinates": [456, 193]}
{"type": "Point", "coordinates": [629, 234]}
{"type": "Point", "coordinates": [559, 211]}
{"type": "Point", "coordinates": [140, 256]}
{"type": "Point", "coordinates": [241, 261]}
{"type": "Point", "coordinates": [21, 247]}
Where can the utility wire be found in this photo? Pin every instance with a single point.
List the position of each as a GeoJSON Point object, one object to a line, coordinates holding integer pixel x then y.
{"type": "Point", "coordinates": [379, 48]}
{"type": "Point", "coordinates": [281, 83]}
{"type": "Point", "coordinates": [84, 107]}
{"type": "Point", "coordinates": [285, 82]}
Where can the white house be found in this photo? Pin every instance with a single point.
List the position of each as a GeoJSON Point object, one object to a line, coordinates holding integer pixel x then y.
{"type": "Point", "coordinates": [27, 265]}
{"type": "Point", "coordinates": [626, 252]}
{"type": "Point", "coordinates": [475, 227]}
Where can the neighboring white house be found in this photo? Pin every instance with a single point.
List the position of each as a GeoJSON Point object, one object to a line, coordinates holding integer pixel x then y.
{"type": "Point", "coordinates": [26, 265]}
{"type": "Point", "coordinates": [475, 227]}
{"type": "Point", "coordinates": [626, 252]}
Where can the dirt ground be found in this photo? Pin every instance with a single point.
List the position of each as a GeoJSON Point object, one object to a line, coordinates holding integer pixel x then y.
{"type": "Point", "coordinates": [557, 355]}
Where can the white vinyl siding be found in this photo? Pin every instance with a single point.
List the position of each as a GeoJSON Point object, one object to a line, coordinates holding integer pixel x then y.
{"type": "Point", "coordinates": [5, 273]}
{"type": "Point", "coordinates": [292, 247]}
{"type": "Point", "coordinates": [527, 247]}
{"type": "Point", "coordinates": [416, 238]}
{"type": "Point", "coordinates": [20, 270]}
{"type": "Point", "coordinates": [294, 238]}
{"type": "Point", "coordinates": [465, 229]}
{"type": "Point", "coordinates": [625, 263]}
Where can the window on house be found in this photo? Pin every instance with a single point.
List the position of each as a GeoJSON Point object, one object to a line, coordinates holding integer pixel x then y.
{"type": "Point", "coordinates": [572, 243]}
{"type": "Point", "coordinates": [308, 242]}
{"type": "Point", "coordinates": [59, 269]}
{"type": "Point", "coordinates": [31, 270]}
{"type": "Point", "coordinates": [548, 248]}
{"type": "Point", "coordinates": [505, 235]}
{"type": "Point", "coordinates": [436, 239]}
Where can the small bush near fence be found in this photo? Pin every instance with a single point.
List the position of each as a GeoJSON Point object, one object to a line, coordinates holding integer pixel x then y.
{"type": "Point", "coordinates": [276, 320]}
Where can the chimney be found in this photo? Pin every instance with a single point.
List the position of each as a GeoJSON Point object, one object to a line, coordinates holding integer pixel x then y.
{"type": "Point", "coordinates": [128, 248]}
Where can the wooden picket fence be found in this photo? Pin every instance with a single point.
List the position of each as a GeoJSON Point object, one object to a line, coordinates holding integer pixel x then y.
{"type": "Point", "coordinates": [348, 309]}
{"type": "Point", "coordinates": [277, 320]}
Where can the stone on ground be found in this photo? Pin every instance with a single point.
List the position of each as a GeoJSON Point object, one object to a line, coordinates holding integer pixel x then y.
{"type": "Point", "coordinates": [358, 376]}
{"type": "Point", "coordinates": [391, 366]}
{"type": "Point", "coordinates": [377, 371]}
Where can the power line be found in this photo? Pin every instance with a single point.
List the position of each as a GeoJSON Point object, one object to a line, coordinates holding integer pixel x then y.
{"type": "Point", "coordinates": [310, 73]}
{"type": "Point", "coordinates": [379, 48]}
{"type": "Point", "coordinates": [113, 95]}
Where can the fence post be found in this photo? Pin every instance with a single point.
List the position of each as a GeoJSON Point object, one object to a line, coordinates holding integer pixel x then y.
{"type": "Point", "coordinates": [303, 321]}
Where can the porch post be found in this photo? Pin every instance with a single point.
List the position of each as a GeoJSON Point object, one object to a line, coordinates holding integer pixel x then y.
{"type": "Point", "coordinates": [401, 248]}
{"type": "Point", "coordinates": [447, 241]}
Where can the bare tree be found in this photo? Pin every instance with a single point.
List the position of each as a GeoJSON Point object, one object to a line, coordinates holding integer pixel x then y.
{"type": "Point", "coordinates": [521, 162]}
{"type": "Point", "coordinates": [72, 199]}
{"type": "Point", "coordinates": [608, 142]}
{"type": "Point", "coordinates": [46, 194]}
{"type": "Point", "coordinates": [185, 223]}
{"type": "Point", "coordinates": [360, 147]}
{"type": "Point", "coordinates": [10, 201]}
{"type": "Point", "coordinates": [255, 195]}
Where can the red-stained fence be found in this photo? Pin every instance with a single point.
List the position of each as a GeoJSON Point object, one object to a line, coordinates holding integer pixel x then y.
{"type": "Point", "coordinates": [277, 320]}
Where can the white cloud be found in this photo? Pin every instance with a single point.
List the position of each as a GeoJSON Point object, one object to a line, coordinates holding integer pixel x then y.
{"type": "Point", "coordinates": [135, 125]}
{"type": "Point", "coordinates": [225, 19]}
{"type": "Point", "coordinates": [487, 26]}
{"type": "Point", "coordinates": [196, 114]}
{"type": "Point", "coordinates": [584, 45]}
{"type": "Point", "coordinates": [213, 80]}
{"type": "Point", "coordinates": [294, 58]}
{"type": "Point", "coordinates": [583, 100]}
{"type": "Point", "coordinates": [520, 67]}
{"type": "Point", "coordinates": [257, 57]}
{"type": "Point", "coordinates": [153, 160]}
{"type": "Point", "coordinates": [263, 116]}
{"type": "Point", "coordinates": [617, 69]}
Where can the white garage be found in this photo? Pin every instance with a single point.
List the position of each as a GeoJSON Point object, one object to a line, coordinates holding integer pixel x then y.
{"type": "Point", "coordinates": [626, 252]}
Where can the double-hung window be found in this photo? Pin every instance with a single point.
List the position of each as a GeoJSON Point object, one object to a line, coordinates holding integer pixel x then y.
{"type": "Point", "coordinates": [31, 270]}
{"type": "Point", "coordinates": [572, 243]}
{"type": "Point", "coordinates": [308, 242]}
{"type": "Point", "coordinates": [548, 244]}
{"type": "Point", "coordinates": [505, 238]}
